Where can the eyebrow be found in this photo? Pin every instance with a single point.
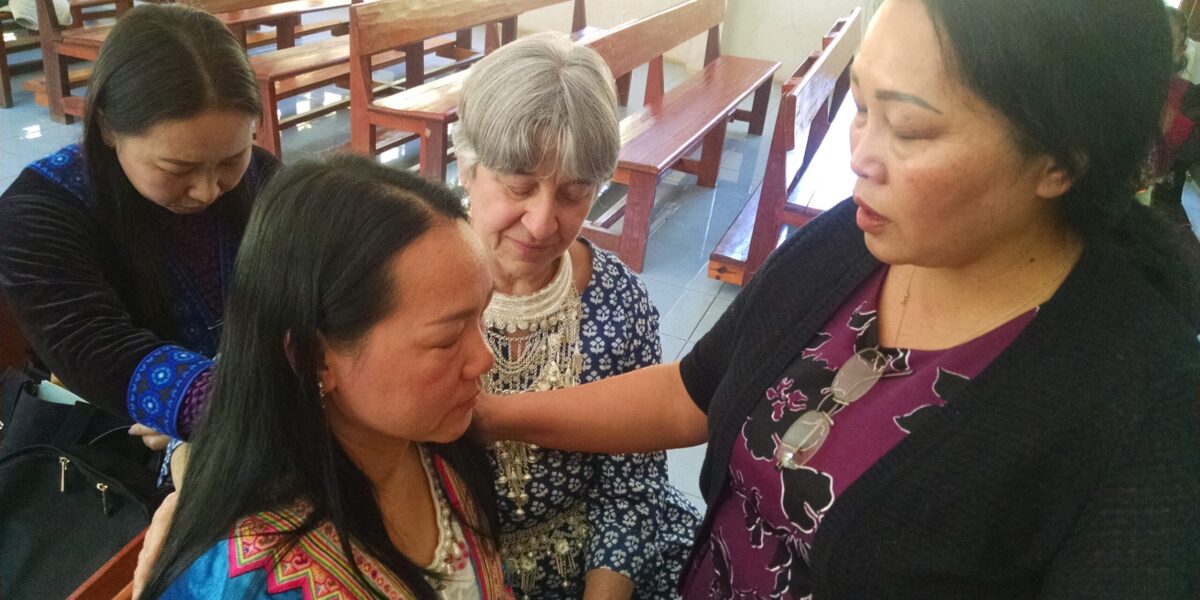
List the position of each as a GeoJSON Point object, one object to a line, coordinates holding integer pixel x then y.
{"type": "Point", "coordinates": [184, 163]}
{"type": "Point", "coordinates": [459, 315]}
{"type": "Point", "coordinates": [894, 96]}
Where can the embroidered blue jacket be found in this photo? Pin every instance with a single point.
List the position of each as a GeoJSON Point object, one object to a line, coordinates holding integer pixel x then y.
{"type": "Point", "coordinates": [62, 278]}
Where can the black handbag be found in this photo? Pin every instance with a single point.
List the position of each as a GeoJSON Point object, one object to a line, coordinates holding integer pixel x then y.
{"type": "Point", "coordinates": [74, 489]}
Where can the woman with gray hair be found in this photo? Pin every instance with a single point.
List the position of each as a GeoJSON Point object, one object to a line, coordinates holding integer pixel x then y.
{"type": "Point", "coordinates": [537, 138]}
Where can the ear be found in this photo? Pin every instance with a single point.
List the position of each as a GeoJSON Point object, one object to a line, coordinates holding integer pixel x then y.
{"type": "Point", "coordinates": [325, 375]}
{"type": "Point", "coordinates": [1053, 180]}
{"type": "Point", "coordinates": [466, 176]}
{"type": "Point", "coordinates": [106, 133]}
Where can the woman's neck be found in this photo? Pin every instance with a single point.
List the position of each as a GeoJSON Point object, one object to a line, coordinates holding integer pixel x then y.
{"type": "Point", "coordinates": [939, 307]}
{"type": "Point", "coordinates": [523, 284]}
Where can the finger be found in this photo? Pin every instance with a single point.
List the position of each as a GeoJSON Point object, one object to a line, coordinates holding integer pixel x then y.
{"type": "Point", "coordinates": [156, 441]}
{"type": "Point", "coordinates": [156, 536]}
{"type": "Point", "coordinates": [139, 429]}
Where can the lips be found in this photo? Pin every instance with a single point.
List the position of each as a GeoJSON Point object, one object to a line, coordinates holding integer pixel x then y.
{"type": "Point", "coordinates": [867, 219]}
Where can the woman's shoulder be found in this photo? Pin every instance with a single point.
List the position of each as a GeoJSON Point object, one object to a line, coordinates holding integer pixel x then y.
{"type": "Point", "coordinates": [57, 179]}
{"type": "Point", "coordinates": [613, 282]}
{"type": "Point", "coordinates": [211, 576]}
{"type": "Point", "coordinates": [263, 165]}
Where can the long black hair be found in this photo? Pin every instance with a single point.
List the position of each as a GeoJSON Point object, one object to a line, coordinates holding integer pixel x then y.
{"type": "Point", "coordinates": [1083, 82]}
{"type": "Point", "coordinates": [159, 64]}
{"type": "Point", "coordinates": [314, 265]}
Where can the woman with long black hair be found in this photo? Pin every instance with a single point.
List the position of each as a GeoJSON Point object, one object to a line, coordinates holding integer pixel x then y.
{"type": "Point", "coordinates": [117, 252]}
{"type": "Point", "coordinates": [330, 461]}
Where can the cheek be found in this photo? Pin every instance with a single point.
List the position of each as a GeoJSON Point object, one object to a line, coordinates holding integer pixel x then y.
{"type": "Point", "coordinates": [493, 215]}
{"type": "Point", "coordinates": [570, 220]}
{"type": "Point", "coordinates": [156, 186]}
{"type": "Point", "coordinates": [232, 176]}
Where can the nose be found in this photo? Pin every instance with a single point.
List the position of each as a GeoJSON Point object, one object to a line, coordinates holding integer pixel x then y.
{"type": "Point", "coordinates": [865, 157]}
{"type": "Point", "coordinates": [205, 188]}
{"type": "Point", "coordinates": [479, 359]}
{"type": "Point", "coordinates": [540, 218]}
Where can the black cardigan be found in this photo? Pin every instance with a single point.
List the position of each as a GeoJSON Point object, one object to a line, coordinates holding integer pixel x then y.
{"type": "Point", "coordinates": [1068, 468]}
{"type": "Point", "coordinates": [61, 276]}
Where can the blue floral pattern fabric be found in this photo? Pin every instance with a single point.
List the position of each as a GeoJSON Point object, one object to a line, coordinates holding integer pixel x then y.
{"type": "Point", "coordinates": [159, 384]}
{"type": "Point", "coordinates": [641, 526]}
{"type": "Point", "coordinates": [68, 169]}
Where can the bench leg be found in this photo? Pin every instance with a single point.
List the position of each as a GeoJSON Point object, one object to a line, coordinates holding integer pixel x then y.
{"type": "Point", "coordinates": [433, 152]}
{"type": "Point", "coordinates": [58, 85]}
{"type": "Point", "coordinates": [710, 156]}
{"type": "Point", "coordinates": [635, 229]}
{"type": "Point", "coordinates": [758, 111]}
{"type": "Point", "coordinates": [764, 235]}
{"type": "Point", "coordinates": [285, 32]}
{"type": "Point", "coordinates": [267, 135]}
{"type": "Point", "coordinates": [623, 84]}
{"type": "Point", "coordinates": [6, 98]}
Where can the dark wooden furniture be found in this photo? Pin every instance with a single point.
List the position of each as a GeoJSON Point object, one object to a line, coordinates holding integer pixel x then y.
{"type": "Point", "coordinates": [292, 71]}
{"type": "Point", "coordinates": [425, 110]}
{"type": "Point", "coordinates": [62, 45]}
{"type": "Point", "coordinates": [673, 123]}
{"type": "Point", "coordinates": [811, 99]}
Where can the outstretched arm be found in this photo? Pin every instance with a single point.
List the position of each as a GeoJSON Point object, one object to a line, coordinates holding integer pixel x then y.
{"type": "Point", "coordinates": [641, 411]}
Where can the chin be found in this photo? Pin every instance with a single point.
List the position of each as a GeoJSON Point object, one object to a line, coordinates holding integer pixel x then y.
{"type": "Point", "coordinates": [453, 427]}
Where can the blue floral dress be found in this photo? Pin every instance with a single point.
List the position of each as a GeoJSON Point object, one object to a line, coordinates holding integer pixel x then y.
{"type": "Point", "coordinates": [638, 524]}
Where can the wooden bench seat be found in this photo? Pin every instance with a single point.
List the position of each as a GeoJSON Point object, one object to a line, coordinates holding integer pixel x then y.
{"type": "Point", "coordinates": [292, 71]}
{"type": "Point", "coordinates": [426, 110]}
{"type": "Point", "coordinates": [808, 171]}
{"type": "Point", "coordinates": [78, 74]}
{"type": "Point", "coordinates": [654, 139]}
{"type": "Point", "coordinates": [674, 123]}
{"type": "Point", "coordinates": [62, 45]}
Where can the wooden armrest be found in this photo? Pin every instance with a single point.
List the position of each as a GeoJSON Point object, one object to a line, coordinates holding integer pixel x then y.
{"type": "Point", "coordinates": [115, 577]}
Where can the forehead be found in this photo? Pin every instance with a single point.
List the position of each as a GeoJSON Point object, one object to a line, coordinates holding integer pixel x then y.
{"type": "Point", "coordinates": [901, 51]}
{"type": "Point", "coordinates": [442, 272]}
{"type": "Point", "coordinates": [211, 135]}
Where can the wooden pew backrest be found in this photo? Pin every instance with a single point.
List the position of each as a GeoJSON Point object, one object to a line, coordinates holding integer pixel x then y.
{"type": "Point", "coordinates": [388, 24]}
{"type": "Point", "coordinates": [636, 43]}
{"type": "Point", "coordinates": [811, 97]}
{"type": "Point", "coordinates": [216, 7]}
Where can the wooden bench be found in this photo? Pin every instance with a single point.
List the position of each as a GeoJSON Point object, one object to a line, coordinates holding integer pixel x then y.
{"type": "Point", "coordinates": [79, 14]}
{"type": "Point", "coordinates": [425, 110]}
{"type": "Point", "coordinates": [114, 580]}
{"type": "Point", "coordinates": [78, 74]}
{"type": "Point", "coordinates": [673, 123]}
{"type": "Point", "coordinates": [811, 100]}
{"type": "Point", "coordinates": [14, 38]}
{"type": "Point", "coordinates": [62, 45]}
{"type": "Point", "coordinates": [293, 71]}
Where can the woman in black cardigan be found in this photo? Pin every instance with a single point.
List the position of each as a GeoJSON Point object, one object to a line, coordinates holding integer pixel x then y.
{"type": "Point", "coordinates": [976, 379]}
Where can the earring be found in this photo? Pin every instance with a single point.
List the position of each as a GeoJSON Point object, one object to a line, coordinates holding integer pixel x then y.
{"type": "Point", "coordinates": [321, 393]}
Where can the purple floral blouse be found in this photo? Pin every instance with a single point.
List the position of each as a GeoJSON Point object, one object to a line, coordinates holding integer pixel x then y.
{"type": "Point", "coordinates": [766, 520]}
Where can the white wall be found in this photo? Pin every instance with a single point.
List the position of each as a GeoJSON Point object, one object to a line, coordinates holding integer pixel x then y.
{"type": "Point", "coordinates": [782, 30]}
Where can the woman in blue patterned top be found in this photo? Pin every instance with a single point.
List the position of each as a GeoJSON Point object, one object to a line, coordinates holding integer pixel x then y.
{"type": "Point", "coordinates": [117, 252]}
{"type": "Point", "coordinates": [537, 137]}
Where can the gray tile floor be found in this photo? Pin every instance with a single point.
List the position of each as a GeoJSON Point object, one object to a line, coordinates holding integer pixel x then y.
{"type": "Point", "coordinates": [688, 220]}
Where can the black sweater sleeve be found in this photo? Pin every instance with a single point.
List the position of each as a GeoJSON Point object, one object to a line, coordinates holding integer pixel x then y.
{"type": "Point", "coordinates": [52, 278]}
